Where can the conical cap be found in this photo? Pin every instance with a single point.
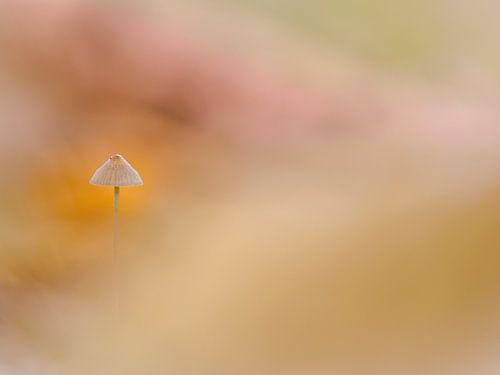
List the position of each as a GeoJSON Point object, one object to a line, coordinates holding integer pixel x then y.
{"type": "Point", "coordinates": [116, 171]}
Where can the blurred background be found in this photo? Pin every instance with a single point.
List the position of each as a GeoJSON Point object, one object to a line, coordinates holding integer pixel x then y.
{"type": "Point", "coordinates": [321, 187]}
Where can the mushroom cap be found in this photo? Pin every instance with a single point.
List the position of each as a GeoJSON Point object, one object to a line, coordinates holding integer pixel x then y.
{"type": "Point", "coordinates": [116, 171]}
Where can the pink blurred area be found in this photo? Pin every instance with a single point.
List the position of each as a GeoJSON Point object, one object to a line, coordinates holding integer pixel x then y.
{"type": "Point", "coordinates": [321, 188]}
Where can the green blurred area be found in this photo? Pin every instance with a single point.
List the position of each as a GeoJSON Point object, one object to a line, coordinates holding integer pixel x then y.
{"type": "Point", "coordinates": [428, 38]}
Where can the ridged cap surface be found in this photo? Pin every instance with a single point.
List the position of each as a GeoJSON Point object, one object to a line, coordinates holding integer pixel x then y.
{"type": "Point", "coordinates": [116, 171]}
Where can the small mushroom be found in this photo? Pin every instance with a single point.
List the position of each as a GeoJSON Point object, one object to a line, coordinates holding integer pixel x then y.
{"type": "Point", "coordinates": [116, 172]}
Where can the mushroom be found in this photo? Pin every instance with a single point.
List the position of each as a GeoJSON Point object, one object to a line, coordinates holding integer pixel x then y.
{"type": "Point", "coordinates": [116, 172]}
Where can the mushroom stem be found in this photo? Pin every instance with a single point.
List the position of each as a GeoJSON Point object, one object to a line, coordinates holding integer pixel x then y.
{"type": "Point", "coordinates": [117, 200]}
{"type": "Point", "coordinates": [114, 265]}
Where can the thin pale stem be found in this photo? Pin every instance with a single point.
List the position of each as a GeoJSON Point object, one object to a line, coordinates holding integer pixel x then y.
{"type": "Point", "coordinates": [116, 209]}
{"type": "Point", "coordinates": [116, 228]}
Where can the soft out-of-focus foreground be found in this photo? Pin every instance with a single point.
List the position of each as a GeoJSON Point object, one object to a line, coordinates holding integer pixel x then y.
{"type": "Point", "coordinates": [322, 187]}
